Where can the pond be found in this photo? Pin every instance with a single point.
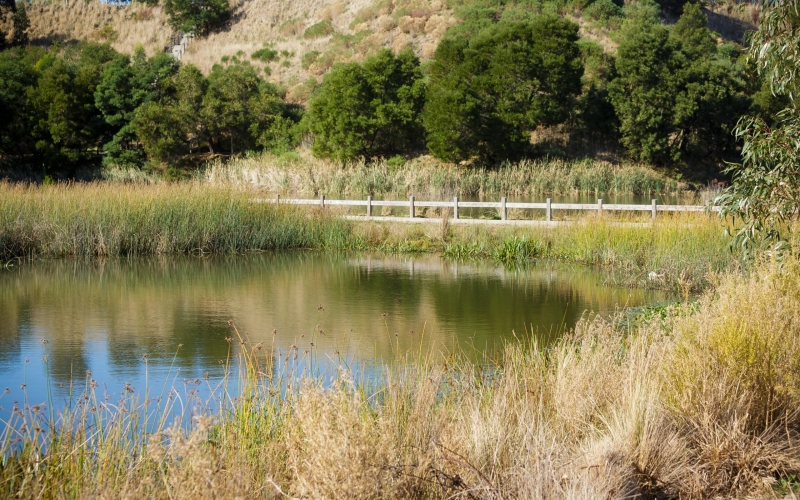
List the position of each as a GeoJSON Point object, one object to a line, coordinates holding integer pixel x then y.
{"type": "Point", "coordinates": [106, 317]}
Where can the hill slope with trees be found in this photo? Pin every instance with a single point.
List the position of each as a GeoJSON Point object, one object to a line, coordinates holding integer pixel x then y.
{"type": "Point", "coordinates": [470, 81]}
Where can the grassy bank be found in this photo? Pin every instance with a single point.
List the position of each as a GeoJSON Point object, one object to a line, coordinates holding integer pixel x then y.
{"type": "Point", "coordinates": [107, 220]}
{"type": "Point", "coordinates": [697, 401]}
{"type": "Point", "coordinates": [427, 177]}
{"type": "Point", "coordinates": [91, 220]}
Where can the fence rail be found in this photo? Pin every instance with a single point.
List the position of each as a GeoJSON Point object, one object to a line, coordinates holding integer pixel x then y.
{"type": "Point", "coordinates": [503, 205]}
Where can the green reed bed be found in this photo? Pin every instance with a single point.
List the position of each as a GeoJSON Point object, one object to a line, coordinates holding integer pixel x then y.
{"type": "Point", "coordinates": [90, 220]}
{"type": "Point", "coordinates": [106, 220]}
{"type": "Point", "coordinates": [698, 401]}
{"type": "Point", "coordinates": [427, 177]}
{"type": "Point", "coordinates": [678, 252]}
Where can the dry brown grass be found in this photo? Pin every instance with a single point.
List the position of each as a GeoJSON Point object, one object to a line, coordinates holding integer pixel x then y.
{"type": "Point", "coordinates": [698, 401]}
{"type": "Point", "coordinates": [253, 24]}
{"type": "Point", "coordinates": [79, 20]}
{"type": "Point", "coordinates": [304, 175]}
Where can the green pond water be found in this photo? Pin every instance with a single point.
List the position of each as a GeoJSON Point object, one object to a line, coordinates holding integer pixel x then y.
{"type": "Point", "coordinates": [105, 317]}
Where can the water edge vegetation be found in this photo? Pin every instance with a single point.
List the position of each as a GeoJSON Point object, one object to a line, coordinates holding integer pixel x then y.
{"type": "Point", "coordinates": [689, 401]}
{"type": "Point", "coordinates": [302, 174]}
{"type": "Point", "coordinates": [101, 220]}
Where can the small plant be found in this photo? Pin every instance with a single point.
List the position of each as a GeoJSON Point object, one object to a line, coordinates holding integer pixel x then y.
{"type": "Point", "coordinates": [786, 486]}
{"type": "Point", "coordinates": [265, 55]}
{"type": "Point", "coordinates": [516, 251]}
{"type": "Point", "coordinates": [309, 58]}
{"type": "Point", "coordinates": [322, 28]}
{"type": "Point", "coordinates": [395, 162]}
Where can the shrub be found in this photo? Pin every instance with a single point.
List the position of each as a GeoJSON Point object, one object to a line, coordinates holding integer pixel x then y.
{"type": "Point", "coordinates": [291, 27]}
{"type": "Point", "coordinates": [309, 58]}
{"type": "Point", "coordinates": [197, 16]}
{"type": "Point", "coordinates": [265, 55]}
{"type": "Point", "coordinates": [322, 28]}
{"type": "Point", "coordinates": [603, 10]}
{"type": "Point", "coordinates": [370, 109]}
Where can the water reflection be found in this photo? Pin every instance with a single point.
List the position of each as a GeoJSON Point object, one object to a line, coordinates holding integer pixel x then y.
{"type": "Point", "coordinates": [103, 317]}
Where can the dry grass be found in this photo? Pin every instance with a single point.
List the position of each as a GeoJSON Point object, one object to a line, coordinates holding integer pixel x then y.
{"type": "Point", "coordinates": [695, 401]}
{"type": "Point", "coordinates": [253, 24]}
{"type": "Point", "coordinates": [79, 20]}
{"type": "Point", "coordinates": [425, 176]}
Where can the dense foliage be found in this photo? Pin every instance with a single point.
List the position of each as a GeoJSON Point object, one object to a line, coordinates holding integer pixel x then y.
{"type": "Point", "coordinates": [765, 191]}
{"type": "Point", "coordinates": [490, 89]}
{"type": "Point", "coordinates": [678, 94]}
{"type": "Point", "coordinates": [197, 16]}
{"type": "Point", "coordinates": [508, 74]}
{"type": "Point", "coordinates": [370, 109]}
{"type": "Point", "coordinates": [70, 108]}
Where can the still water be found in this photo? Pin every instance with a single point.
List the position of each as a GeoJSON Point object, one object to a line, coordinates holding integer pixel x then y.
{"type": "Point", "coordinates": [104, 317]}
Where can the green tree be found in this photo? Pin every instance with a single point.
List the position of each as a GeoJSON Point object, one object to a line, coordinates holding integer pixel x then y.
{"type": "Point", "coordinates": [127, 84]}
{"type": "Point", "coordinates": [21, 26]}
{"type": "Point", "coordinates": [241, 112]}
{"type": "Point", "coordinates": [643, 94]}
{"type": "Point", "coordinates": [677, 94]}
{"type": "Point", "coordinates": [171, 126]}
{"type": "Point", "coordinates": [765, 188]}
{"type": "Point", "coordinates": [66, 124]}
{"type": "Point", "coordinates": [197, 16]}
{"type": "Point", "coordinates": [488, 90]}
{"type": "Point", "coordinates": [18, 74]}
{"type": "Point", "coordinates": [369, 110]}
{"type": "Point", "coordinates": [676, 7]}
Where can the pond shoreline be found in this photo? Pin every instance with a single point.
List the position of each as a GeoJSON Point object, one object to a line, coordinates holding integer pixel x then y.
{"type": "Point", "coordinates": [611, 410]}
{"type": "Point", "coordinates": [99, 220]}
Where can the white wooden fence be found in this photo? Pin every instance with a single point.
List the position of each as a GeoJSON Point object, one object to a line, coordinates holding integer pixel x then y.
{"type": "Point", "coordinates": [503, 205]}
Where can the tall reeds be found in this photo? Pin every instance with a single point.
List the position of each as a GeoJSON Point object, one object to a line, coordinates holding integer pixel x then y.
{"type": "Point", "coordinates": [306, 175]}
{"type": "Point", "coordinates": [97, 220]}
{"type": "Point", "coordinates": [110, 220]}
{"type": "Point", "coordinates": [697, 402]}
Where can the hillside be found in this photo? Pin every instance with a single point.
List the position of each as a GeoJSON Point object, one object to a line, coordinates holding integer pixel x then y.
{"type": "Point", "coordinates": [340, 30]}
{"type": "Point", "coordinates": [359, 27]}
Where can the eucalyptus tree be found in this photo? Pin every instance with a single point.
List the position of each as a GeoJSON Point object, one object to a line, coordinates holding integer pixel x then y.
{"type": "Point", "coordinates": [765, 190]}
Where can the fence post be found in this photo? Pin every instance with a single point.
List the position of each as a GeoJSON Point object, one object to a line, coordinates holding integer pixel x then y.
{"type": "Point", "coordinates": [455, 207]}
{"type": "Point", "coordinates": [369, 206]}
{"type": "Point", "coordinates": [278, 199]}
{"type": "Point", "coordinates": [503, 208]}
{"type": "Point", "coordinates": [411, 207]}
{"type": "Point", "coordinates": [322, 201]}
{"type": "Point", "coordinates": [549, 210]}
{"type": "Point", "coordinates": [600, 206]}
{"type": "Point", "coordinates": [654, 205]}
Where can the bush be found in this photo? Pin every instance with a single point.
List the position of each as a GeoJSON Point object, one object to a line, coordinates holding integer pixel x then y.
{"type": "Point", "coordinates": [603, 10]}
{"type": "Point", "coordinates": [309, 58]}
{"type": "Point", "coordinates": [489, 89]}
{"type": "Point", "coordinates": [265, 55]}
{"type": "Point", "coordinates": [677, 95]}
{"type": "Point", "coordinates": [197, 16]}
{"type": "Point", "coordinates": [371, 109]}
{"type": "Point", "coordinates": [322, 28]}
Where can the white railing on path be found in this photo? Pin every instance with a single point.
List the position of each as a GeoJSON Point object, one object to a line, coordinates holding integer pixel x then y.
{"type": "Point", "coordinates": [503, 205]}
